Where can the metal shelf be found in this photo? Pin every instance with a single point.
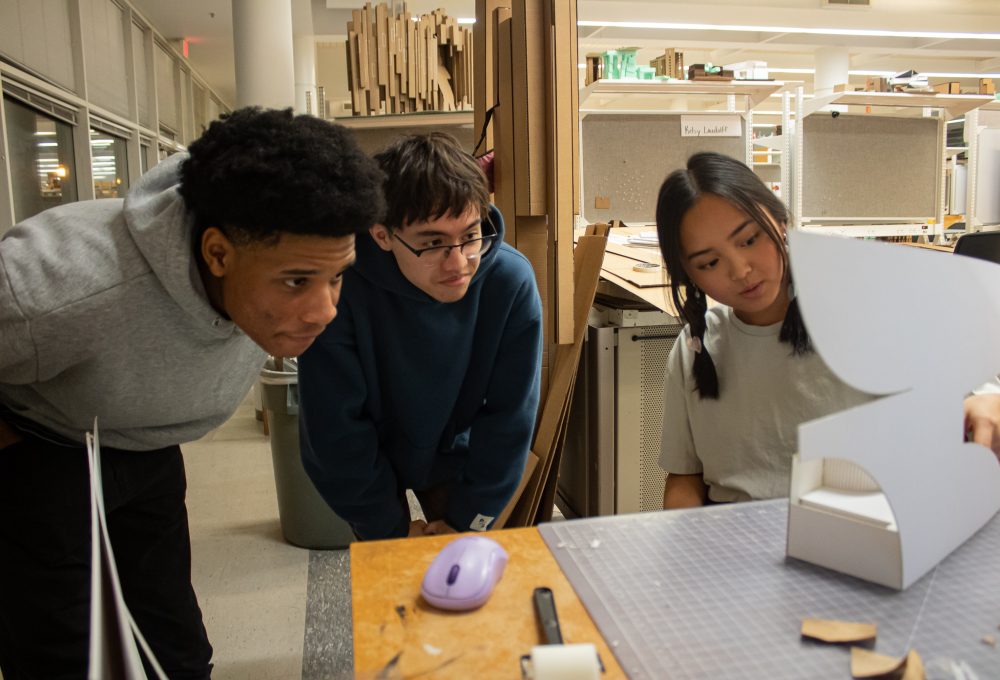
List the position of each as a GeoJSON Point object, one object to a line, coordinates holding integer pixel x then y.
{"type": "Point", "coordinates": [874, 230]}
{"type": "Point", "coordinates": [771, 141]}
{"type": "Point", "coordinates": [608, 93]}
{"type": "Point", "coordinates": [954, 104]}
{"type": "Point", "coordinates": [425, 118]}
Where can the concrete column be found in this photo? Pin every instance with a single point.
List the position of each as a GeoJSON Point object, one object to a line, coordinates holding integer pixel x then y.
{"type": "Point", "coordinates": [832, 64]}
{"type": "Point", "coordinates": [305, 73]}
{"type": "Point", "coordinates": [304, 49]}
{"type": "Point", "coordinates": [262, 40]}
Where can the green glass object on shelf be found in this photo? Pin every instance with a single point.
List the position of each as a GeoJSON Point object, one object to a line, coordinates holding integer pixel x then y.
{"type": "Point", "coordinates": [629, 64]}
{"type": "Point", "coordinates": [621, 63]}
{"type": "Point", "coordinates": [612, 64]}
{"type": "Point", "coordinates": [645, 73]}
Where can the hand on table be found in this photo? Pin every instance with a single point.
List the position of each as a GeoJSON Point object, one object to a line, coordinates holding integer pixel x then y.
{"type": "Point", "coordinates": [418, 527]}
{"type": "Point", "coordinates": [438, 527]}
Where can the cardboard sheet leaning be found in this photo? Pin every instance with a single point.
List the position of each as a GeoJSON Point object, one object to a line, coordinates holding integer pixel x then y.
{"type": "Point", "coordinates": [114, 635]}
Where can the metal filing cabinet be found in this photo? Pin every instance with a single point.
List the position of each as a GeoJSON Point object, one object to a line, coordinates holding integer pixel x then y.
{"type": "Point", "coordinates": [610, 464]}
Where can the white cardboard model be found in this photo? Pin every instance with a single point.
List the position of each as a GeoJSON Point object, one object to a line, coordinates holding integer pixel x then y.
{"type": "Point", "coordinates": [113, 632]}
{"type": "Point", "coordinates": [883, 317]}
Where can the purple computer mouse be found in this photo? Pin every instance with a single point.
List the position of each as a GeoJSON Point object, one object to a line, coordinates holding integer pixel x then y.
{"type": "Point", "coordinates": [463, 574]}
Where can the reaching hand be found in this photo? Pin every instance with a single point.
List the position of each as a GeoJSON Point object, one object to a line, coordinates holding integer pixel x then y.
{"type": "Point", "coordinates": [982, 420]}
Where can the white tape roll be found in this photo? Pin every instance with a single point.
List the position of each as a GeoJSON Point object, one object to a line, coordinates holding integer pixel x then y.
{"type": "Point", "coordinates": [565, 662]}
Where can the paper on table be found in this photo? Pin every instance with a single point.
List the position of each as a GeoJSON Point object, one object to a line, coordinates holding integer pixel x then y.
{"type": "Point", "coordinates": [868, 506]}
{"type": "Point", "coordinates": [644, 238]}
{"type": "Point", "coordinates": [113, 632]}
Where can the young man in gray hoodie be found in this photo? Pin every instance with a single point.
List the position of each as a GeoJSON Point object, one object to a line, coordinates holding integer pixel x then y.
{"type": "Point", "coordinates": [154, 314]}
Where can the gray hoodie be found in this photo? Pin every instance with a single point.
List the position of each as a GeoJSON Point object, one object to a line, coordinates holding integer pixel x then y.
{"type": "Point", "coordinates": [103, 313]}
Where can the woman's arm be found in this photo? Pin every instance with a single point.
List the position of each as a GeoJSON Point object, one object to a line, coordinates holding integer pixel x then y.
{"type": "Point", "coordinates": [684, 491]}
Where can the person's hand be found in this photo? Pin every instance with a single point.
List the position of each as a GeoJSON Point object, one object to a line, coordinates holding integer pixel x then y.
{"type": "Point", "coordinates": [437, 528]}
{"type": "Point", "coordinates": [982, 420]}
{"type": "Point", "coordinates": [418, 527]}
{"type": "Point", "coordinates": [8, 435]}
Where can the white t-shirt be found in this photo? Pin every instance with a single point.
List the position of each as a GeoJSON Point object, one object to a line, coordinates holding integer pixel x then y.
{"type": "Point", "coordinates": [742, 443]}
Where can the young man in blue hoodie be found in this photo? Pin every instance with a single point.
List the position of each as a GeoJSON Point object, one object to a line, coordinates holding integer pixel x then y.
{"type": "Point", "coordinates": [154, 314]}
{"type": "Point", "coordinates": [429, 377]}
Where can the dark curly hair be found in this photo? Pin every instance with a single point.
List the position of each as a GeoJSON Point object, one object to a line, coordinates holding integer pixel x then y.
{"type": "Point", "coordinates": [727, 178]}
{"type": "Point", "coordinates": [429, 176]}
{"type": "Point", "coordinates": [257, 173]}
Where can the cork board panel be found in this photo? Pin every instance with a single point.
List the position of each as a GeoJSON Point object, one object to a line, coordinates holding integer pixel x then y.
{"type": "Point", "coordinates": [392, 622]}
{"type": "Point", "coordinates": [626, 157]}
{"type": "Point", "coordinates": [863, 166]}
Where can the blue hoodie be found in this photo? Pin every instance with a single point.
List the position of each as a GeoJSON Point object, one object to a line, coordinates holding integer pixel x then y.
{"type": "Point", "coordinates": [404, 392]}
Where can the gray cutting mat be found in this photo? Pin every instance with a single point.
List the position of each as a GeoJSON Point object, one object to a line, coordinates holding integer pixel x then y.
{"type": "Point", "coordinates": [709, 593]}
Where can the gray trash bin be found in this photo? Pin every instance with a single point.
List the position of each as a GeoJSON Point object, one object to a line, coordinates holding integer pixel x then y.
{"type": "Point", "coordinates": [306, 520]}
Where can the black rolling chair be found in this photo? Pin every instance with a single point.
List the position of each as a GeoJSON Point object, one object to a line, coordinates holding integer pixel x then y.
{"type": "Point", "coordinates": [984, 245]}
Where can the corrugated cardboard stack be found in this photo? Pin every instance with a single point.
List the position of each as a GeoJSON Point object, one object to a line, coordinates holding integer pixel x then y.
{"type": "Point", "coordinates": [534, 86]}
{"type": "Point", "coordinates": [402, 64]}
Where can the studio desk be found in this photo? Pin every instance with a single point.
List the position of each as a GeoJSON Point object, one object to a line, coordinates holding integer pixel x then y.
{"type": "Point", "coordinates": [681, 594]}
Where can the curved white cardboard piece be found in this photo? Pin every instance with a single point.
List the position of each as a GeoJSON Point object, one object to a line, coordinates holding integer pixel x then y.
{"type": "Point", "coordinates": [921, 328]}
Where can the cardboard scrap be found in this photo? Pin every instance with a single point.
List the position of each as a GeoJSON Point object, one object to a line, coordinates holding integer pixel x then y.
{"type": "Point", "coordinates": [838, 632]}
{"type": "Point", "coordinates": [873, 666]}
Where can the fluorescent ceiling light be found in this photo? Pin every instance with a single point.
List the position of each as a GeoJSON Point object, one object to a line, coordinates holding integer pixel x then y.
{"type": "Point", "coordinates": [959, 75]}
{"type": "Point", "coordinates": [948, 35]}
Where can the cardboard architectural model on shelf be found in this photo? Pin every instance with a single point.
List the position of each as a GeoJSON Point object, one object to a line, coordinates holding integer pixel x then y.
{"type": "Point", "coordinates": [881, 316]}
{"type": "Point", "coordinates": [404, 63]}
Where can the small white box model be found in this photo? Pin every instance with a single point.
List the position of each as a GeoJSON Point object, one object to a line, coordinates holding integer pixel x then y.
{"type": "Point", "coordinates": [748, 70]}
{"type": "Point", "coordinates": [929, 490]}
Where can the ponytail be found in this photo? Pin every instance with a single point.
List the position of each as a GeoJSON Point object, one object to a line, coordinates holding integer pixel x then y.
{"type": "Point", "coordinates": [705, 377]}
{"type": "Point", "coordinates": [793, 330]}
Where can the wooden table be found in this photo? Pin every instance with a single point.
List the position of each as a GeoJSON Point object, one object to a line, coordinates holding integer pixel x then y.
{"type": "Point", "coordinates": [397, 634]}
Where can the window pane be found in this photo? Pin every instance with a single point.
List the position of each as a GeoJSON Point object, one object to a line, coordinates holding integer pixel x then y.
{"type": "Point", "coordinates": [141, 74]}
{"type": "Point", "coordinates": [41, 160]}
{"type": "Point", "coordinates": [104, 42]}
{"type": "Point", "coordinates": [37, 34]}
{"type": "Point", "coordinates": [166, 88]}
{"type": "Point", "coordinates": [144, 158]}
{"type": "Point", "coordinates": [109, 163]}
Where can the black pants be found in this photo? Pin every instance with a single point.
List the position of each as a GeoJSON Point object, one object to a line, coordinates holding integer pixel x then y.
{"type": "Point", "coordinates": [45, 558]}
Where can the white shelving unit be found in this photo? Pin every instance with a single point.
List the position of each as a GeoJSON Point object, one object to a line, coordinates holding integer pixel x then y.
{"type": "Point", "coordinates": [954, 105]}
{"type": "Point", "coordinates": [940, 106]}
{"type": "Point", "coordinates": [972, 133]}
{"type": "Point", "coordinates": [672, 96]}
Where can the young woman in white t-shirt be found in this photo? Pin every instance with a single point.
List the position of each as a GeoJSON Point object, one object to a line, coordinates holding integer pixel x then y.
{"type": "Point", "coordinates": [742, 375]}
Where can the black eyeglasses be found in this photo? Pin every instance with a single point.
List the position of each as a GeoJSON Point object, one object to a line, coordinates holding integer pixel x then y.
{"type": "Point", "coordinates": [435, 255]}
